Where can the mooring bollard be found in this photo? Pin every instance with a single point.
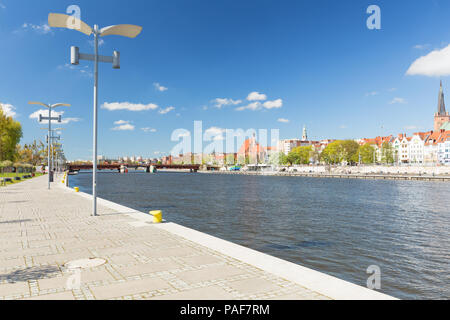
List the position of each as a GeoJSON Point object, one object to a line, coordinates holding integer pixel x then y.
{"type": "Point", "coordinates": [76, 189]}
{"type": "Point", "coordinates": [157, 216]}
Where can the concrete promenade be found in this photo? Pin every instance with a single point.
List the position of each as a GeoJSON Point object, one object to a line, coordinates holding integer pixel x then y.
{"type": "Point", "coordinates": [42, 230]}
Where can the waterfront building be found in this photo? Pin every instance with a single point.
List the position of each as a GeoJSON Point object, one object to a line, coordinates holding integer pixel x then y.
{"type": "Point", "coordinates": [444, 148]}
{"type": "Point", "coordinates": [442, 117]}
{"type": "Point", "coordinates": [167, 160]}
{"type": "Point", "coordinates": [416, 148]}
{"type": "Point", "coordinates": [288, 145]}
{"type": "Point", "coordinates": [430, 149]}
{"type": "Point", "coordinates": [401, 147]}
{"type": "Point", "coordinates": [251, 152]}
{"type": "Point", "coordinates": [378, 144]}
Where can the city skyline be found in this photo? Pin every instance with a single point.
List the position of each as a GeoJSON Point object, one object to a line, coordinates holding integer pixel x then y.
{"type": "Point", "coordinates": [243, 69]}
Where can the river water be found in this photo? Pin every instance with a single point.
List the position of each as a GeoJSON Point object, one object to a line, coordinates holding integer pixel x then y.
{"type": "Point", "coordinates": [336, 226]}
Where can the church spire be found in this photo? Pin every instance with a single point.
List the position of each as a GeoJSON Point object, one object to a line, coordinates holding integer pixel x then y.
{"type": "Point", "coordinates": [441, 103]}
{"type": "Point", "coordinates": [305, 134]}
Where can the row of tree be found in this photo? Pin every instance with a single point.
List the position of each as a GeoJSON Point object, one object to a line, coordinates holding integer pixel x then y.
{"type": "Point", "coordinates": [11, 152]}
{"type": "Point", "coordinates": [338, 152]}
{"type": "Point", "coordinates": [10, 135]}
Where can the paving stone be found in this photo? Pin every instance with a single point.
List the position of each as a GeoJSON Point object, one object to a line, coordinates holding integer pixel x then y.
{"type": "Point", "coordinates": [208, 293]}
{"type": "Point", "coordinates": [143, 262]}
{"type": "Point", "coordinates": [209, 273]}
{"type": "Point", "coordinates": [14, 288]}
{"type": "Point", "coordinates": [148, 268]}
{"type": "Point", "coordinates": [128, 288]}
{"type": "Point", "coordinates": [67, 295]}
{"type": "Point", "coordinates": [253, 286]}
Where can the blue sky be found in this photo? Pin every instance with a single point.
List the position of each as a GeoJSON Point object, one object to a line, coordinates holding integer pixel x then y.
{"type": "Point", "coordinates": [312, 62]}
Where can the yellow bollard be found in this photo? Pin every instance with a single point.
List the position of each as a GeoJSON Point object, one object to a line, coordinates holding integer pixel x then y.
{"type": "Point", "coordinates": [157, 216]}
{"type": "Point", "coordinates": [76, 189]}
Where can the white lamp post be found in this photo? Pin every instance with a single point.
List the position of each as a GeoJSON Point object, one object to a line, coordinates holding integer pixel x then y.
{"type": "Point", "coordinates": [50, 119]}
{"type": "Point", "coordinates": [131, 31]}
{"type": "Point", "coordinates": [53, 138]}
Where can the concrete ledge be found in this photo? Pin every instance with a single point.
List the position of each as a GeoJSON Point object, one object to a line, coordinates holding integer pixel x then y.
{"type": "Point", "coordinates": [321, 283]}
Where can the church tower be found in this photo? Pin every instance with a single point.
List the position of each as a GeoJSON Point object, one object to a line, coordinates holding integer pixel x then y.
{"type": "Point", "coordinates": [442, 116]}
{"type": "Point", "coordinates": [305, 134]}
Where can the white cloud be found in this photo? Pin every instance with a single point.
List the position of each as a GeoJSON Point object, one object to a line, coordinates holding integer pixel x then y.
{"type": "Point", "coordinates": [84, 70]}
{"type": "Point", "coordinates": [215, 133]}
{"type": "Point", "coordinates": [276, 104]}
{"type": "Point", "coordinates": [68, 120]}
{"type": "Point", "coordinates": [434, 64]}
{"type": "Point", "coordinates": [8, 109]}
{"type": "Point", "coordinates": [121, 122]}
{"type": "Point", "coordinates": [343, 126]}
{"type": "Point", "coordinates": [256, 96]}
{"type": "Point", "coordinates": [114, 106]}
{"type": "Point", "coordinates": [2, 6]}
{"type": "Point", "coordinates": [373, 93]}
{"type": "Point", "coordinates": [123, 125]}
{"type": "Point", "coordinates": [282, 120]}
{"type": "Point", "coordinates": [252, 106]}
{"type": "Point", "coordinates": [184, 134]}
{"type": "Point", "coordinates": [398, 101]}
{"type": "Point", "coordinates": [148, 129]}
{"type": "Point", "coordinates": [45, 113]}
{"type": "Point", "coordinates": [411, 127]}
{"type": "Point", "coordinates": [166, 110]}
{"type": "Point", "coordinates": [160, 87]}
{"type": "Point", "coordinates": [40, 29]}
{"type": "Point", "coordinates": [392, 89]}
{"type": "Point", "coordinates": [421, 46]}
{"type": "Point", "coordinates": [220, 102]}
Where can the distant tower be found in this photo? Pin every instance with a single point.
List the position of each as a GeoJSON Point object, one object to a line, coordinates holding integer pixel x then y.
{"type": "Point", "coordinates": [442, 116]}
{"type": "Point", "coordinates": [305, 134]}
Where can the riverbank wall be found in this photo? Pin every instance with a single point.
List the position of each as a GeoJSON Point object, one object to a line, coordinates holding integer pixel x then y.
{"type": "Point", "coordinates": [440, 174]}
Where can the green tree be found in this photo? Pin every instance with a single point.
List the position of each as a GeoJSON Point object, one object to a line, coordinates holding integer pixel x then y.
{"type": "Point", "coordinates": [350, 149]}
{"type": "Point", "coordinates": [333, 153]}
{"type": "Point", "coordinates": [25, 154]}
{"type": "Point", "coordinates": [230, 159]}
{"type": "Point", "coordinates": [340, 151]}
{"type": "Point", "coordinates": [367, 152]}
{"type": "Point", "coordinates": [301, 155]}
{"type": "Point", "coordinates": [10, 135]}
{"type": "Point", "coordinates": [292, 158]}
{"type": "Point", "coordinates": [387, 153]}
{"type": "Point", "coordinates": [278, 158]}
{"type": "Point", "coordinates": [7, 164]}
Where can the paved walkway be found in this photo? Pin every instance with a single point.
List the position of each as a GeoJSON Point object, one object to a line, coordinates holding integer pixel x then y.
{"type": "Point", "coordinates": [41, 230]}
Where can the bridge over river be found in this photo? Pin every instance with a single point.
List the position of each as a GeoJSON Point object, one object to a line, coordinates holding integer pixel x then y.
{"type": "Point", "coordinates": [147, 167]}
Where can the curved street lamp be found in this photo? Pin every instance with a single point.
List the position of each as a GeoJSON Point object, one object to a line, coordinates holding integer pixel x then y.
{"type": "Point", "coordinates": [50, 119]}
{"type": "Point", "coordinates": [58, 20]}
